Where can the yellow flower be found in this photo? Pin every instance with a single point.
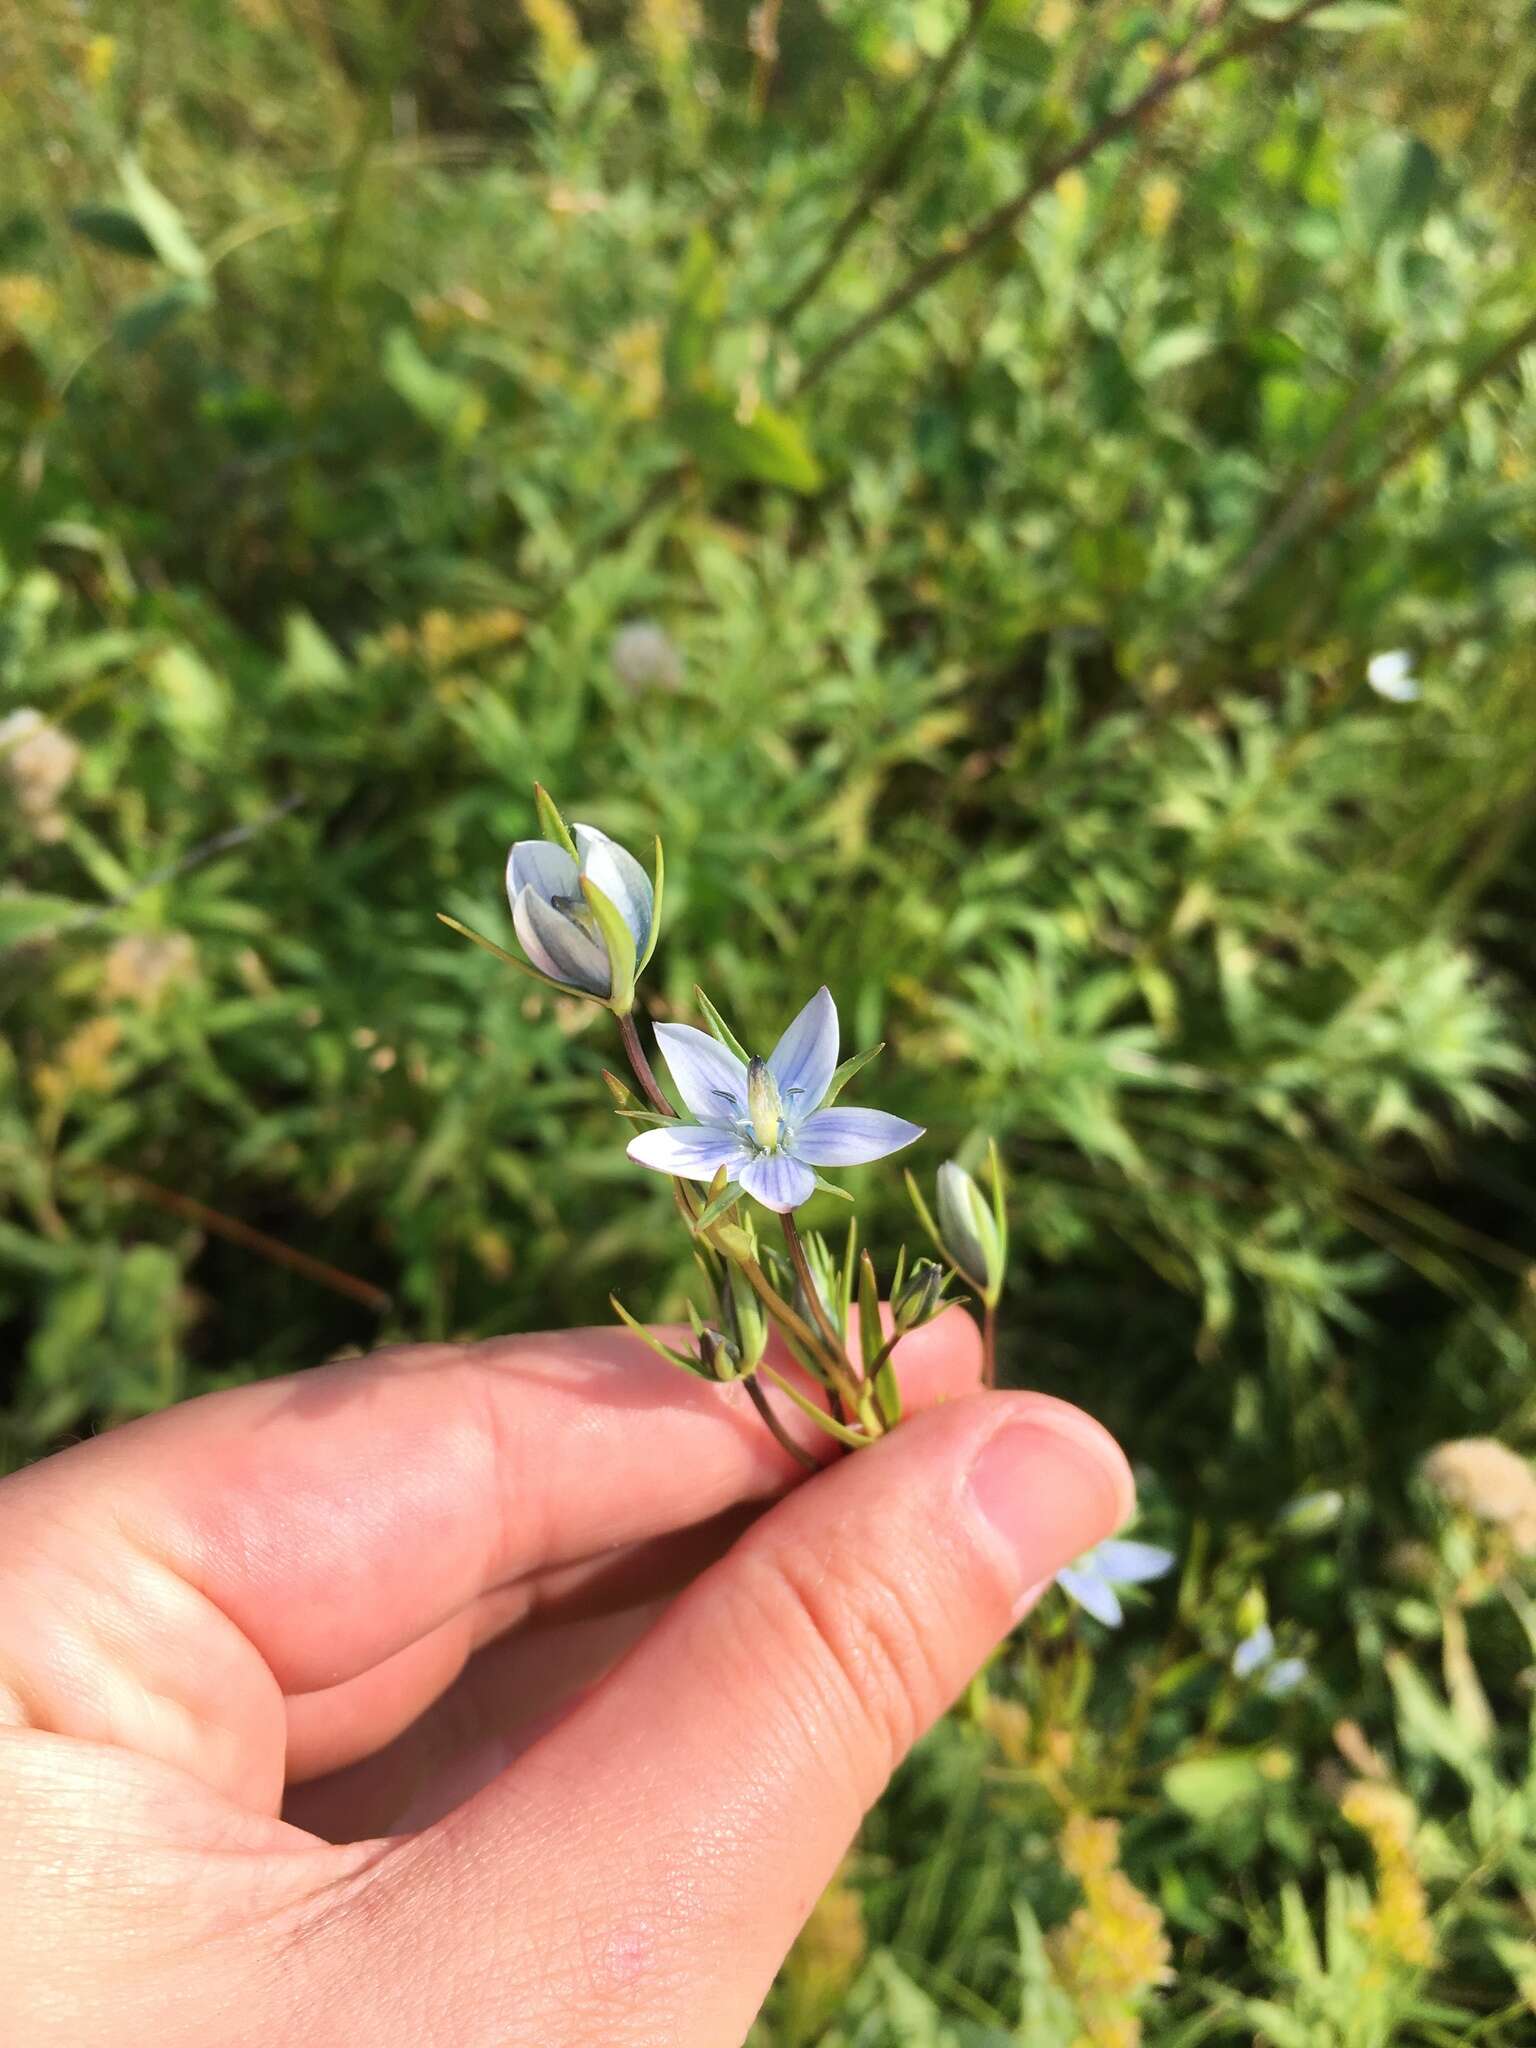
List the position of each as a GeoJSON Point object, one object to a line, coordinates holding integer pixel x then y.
{"type": "Point", "coordinates": [559, 34]}
{"type": "Point", "coordinates": [1397, 1921]}
{"type": "Point", "coordinates": [1113, 1951]}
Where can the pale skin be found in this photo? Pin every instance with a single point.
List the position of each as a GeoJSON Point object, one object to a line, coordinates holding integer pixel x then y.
{"type": "Point", "coordinates": [514, 1695]}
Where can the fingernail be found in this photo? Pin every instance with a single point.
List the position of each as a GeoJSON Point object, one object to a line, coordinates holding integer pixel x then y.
{"type": "Point", "coordinates": [1051, 1487]}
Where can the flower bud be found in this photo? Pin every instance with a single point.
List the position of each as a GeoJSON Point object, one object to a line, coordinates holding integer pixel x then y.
{"type": "Point", "coordinates": [746, 1321]}
{"type": "Point", "coordinates": [719, 1357]}
{"type": "Point", "coordinates": [969, 1232]}
{"type": "Point", "coordinates": [920, 1297]}
{"type": "Point", "coordinates": [1310, 1514]}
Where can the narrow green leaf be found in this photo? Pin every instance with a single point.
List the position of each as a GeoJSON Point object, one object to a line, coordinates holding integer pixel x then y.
{"type": "Point", "coordinates": [160, 220]}
{"type": "Point", "coordinates": [999, 1201]}
{"type": "Point", "coordinates": [717, 1207]}
{"type": "Point", "coordinates": [677, 1358]}
{"type": "Point", "coordinates": [819, 1416]}
{"type": "Point", "coordinates": [620, 941]}
{"type": "Point", "coordinates": [846, 1072]}
{"type": "Point", "coordinates": [622, 1094]}
{"type": "Point", "coordinates": [869, 1314]}
{"type": "Point", "coordinates": [888, 1393]}
{"type": "Point", "coordinates": [924, 1214]}
{"type": "Point", "coordinates": [657, 882]}
{"type": "Point", "coordinates": [511, 959]}
{"type": "Point", "coordinates": [114, 228]}
{"type": "Point", "coordinates": [719, 1027]}
{"type": "Point", "coordinates": [554, 825]}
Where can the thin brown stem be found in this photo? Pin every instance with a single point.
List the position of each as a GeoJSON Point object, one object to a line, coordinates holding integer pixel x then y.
{"type": "Point", "coordinates": [1180, 70]}
{"type": "Point", "coordinates": [777, 1430]}
{"type": "Point", "coordinates": [989, 1345]}
{"type": "Point", "coordinates": [644, 1073]}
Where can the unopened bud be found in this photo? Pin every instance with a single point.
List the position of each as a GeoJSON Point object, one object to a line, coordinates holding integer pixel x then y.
{"type": "Point", "coordinates": [920, 1297]}
{"type": "Point", "coordinates": [969, 1229]}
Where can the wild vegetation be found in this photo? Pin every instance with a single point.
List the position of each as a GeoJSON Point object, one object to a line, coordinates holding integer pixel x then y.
{"type": "Point", "coordinates": [952, 470]}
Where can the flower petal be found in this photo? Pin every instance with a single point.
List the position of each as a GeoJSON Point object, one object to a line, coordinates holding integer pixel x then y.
{"type": "Point", "coordinates": [1131, 1564]}
{"type": "Point", "coordinates": [777, 1181]}
{"type": "Point", "coordinates": [1284, 1676]}
{"type": "Point", "coordinates": [558, 947]}
{"type": "Point", "coordinates": [1093, 1594]}
{"type": "Point", "coordinates": [689, 1150]}
{"type": "Point", "coordinates": [711, 1081]}
{"type": "Point", "coordinates": [851, 1137]}
{"type": "Point", "coordinates": [545, 869]}
{"type": "Point", "coordinates": [620, 877]}
{"type": "Point", "coordinates": [805, 1058]}
{"type": "Point", "coordinates": [1253, 1651]}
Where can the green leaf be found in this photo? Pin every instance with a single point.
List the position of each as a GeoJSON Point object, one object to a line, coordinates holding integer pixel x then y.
{"type": "Point", "coordinates": [114, 228]}
{"type": "Point", "coordinates": [767, 448]}
{"type": "Point", "coordinates": [451, 405]}
{"type": "Point", "coordinates": [871, 1337]}
{"type": "Point", "coordinates": [22, 235]}
{"type": "Point", "coordinates": [846, 1072]}
{"type": "Point", "coordinates": [620, 942]}
{"type": "Point", "coordinates": [163, 225]}
{"type": "Point", "coordinates": [718, 1206]}
{"type": "Point", "coordinates": [142, 321]}
{"type": "Point", "coordinates": [511, 959]}
{"type": "Point", "coordinates": [830, 1187]}
{"type": "Point", "coordinates": [677, 1358]}
{"type": "Point", "coordinates": [24, 917]}
{"type": "Point", "coordinates": [1205, 1787]}
{"type": "Point", "coordinates": [695, 316]}
{"type": "Point", "coordinates": [1391, 185]}
{"type": "Point", "coordinates": [719, 1027]}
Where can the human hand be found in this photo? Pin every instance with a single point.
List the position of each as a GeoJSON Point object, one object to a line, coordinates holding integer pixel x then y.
{"type": "Point", "coordinates": [466, 1695]}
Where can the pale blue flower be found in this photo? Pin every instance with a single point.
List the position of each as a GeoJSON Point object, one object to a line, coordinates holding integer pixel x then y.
{"type": "Point", "coordinates": [762, 1120]}
{"type": "Point", "coordinates": [553, 914]}
{"type": "Point", "coordinates": [1391, 676]}
{"type": "Point", "coordinates": [1094, 1580]}
{"type": "Point", "coordinates": [1255, 1657]}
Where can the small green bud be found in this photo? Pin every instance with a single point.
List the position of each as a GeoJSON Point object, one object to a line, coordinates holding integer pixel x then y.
{"type": "Point", "coordinates": [969, 1230]}
{"type": "Point", "coordinates": [719, 1357]}
{"type": "Point", "coordinates": [920, 1297]}
{"type": "Point", "coordinates": [746, 1322]}
{"type": "Point", "coordinates": [1311, 1514]}
{"type": "Point", "coordinates": [1252, 1611]}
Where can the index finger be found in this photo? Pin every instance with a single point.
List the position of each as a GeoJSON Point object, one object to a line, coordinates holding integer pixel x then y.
{"type": "Point", "coordinates": [337, 1518]}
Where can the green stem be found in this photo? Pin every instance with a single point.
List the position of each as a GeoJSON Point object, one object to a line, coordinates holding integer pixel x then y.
{"type": "Point", "coordinates": [989, 1345]}
{"type": "Point", "coordinates": [842, 1382]}
{"type": "Point", "coordinates": [777, 1430]}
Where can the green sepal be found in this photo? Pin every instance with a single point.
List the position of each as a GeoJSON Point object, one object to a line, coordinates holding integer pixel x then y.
{"type": "Point", "coordinates": [733, 1240]}
{"type": "Point", "coordinates": [657, 880]}
{"type": "Point", "coordinates": [818, 1415]}
{"type": "Point", "coordinates": [888, 1393]}
{"type": "Point", "coordinates": [870, 1336]}
{"type": "Point", "coordinates": [522, 966]}
{"type": "Point", "coordinates": [618, 1089]}
{"type": "Point", "coordinates": [652, 1117]}
{"type": "Point", "coordinates": [830, 1187]}
{"type": "Point", "coordinates": [720, 1028]}
{"type": "Point", "coordinates": [677, 1358]}
{"type": "Point", "coordinates": [554, 825]}
{"type": "Point", "coordinates": [999, 1211]}
{"type": "Point", "coordinates": [620, 943]}
{"type": "Point", "coordinates": [846, 1072]}
{"type": "Point", "coordinates": [716, 1207]}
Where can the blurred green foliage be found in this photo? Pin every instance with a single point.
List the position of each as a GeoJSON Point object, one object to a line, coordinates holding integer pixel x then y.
{"type": "Point", "coordinates": [397, 404]}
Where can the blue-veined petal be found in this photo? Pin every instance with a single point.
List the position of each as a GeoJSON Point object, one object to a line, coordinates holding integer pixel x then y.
{"type": "Point", "coordinates": [777, 1181]}
{"type": "Point", "coordinates": [620, 877]}
{"type": "Point", "coordinates": [1125, 1563]}
{"type": "Point", "coordinates": [547, 870]}
{"type": "Point", "coordinates": [805, 1058]}
{"type": "Point", "coordinates": [1253, 1651]}
{"type": "Point", "coordinates": [711, 1081]}
{"type": "Point", "coordinates": [558, 947]}
{"type": "Point", "coordinates": [1283, 1676]}
{"type": "Point", "coordinates": [1095, 1595]}
{"type": "Point", "coordinates": [689, 1150]}
{"type": "Point", "coordinates": [851, 1137]}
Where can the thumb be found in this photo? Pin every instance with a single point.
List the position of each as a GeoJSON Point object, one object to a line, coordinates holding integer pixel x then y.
{"type": "Point", "coordinates": [688, 1813]}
